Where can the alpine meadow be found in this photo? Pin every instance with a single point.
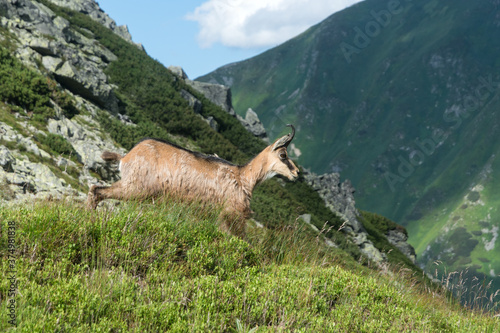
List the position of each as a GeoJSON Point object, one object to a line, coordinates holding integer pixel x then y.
{"type": "Point", "coordinates": [314, 258]}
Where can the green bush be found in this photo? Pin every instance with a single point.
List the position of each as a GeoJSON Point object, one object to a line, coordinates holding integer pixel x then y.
{"type": "Point", "coordinates": [57, 144]}
{"type": "Point", "coordinates": [22, 87]}
{"type": "Point", "coordinates": [29, 91]}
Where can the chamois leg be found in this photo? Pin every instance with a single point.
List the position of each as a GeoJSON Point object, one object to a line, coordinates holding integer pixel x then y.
{"type": "Point", "coordinates": [232, 222]}
{"type": "Point", "coordinates": [98, 193]}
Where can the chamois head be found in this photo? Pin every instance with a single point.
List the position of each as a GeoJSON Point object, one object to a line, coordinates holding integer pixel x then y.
{"type": "Point", "coordinates": [278, 157]}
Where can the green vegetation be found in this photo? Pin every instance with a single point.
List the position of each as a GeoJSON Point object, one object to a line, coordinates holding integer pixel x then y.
{"type": "Point", "coordinates": [28, 91]}
{"type": "Point", "coordinates": [22, 87]}
{"type": "Point", "coordinates": [143, 268]}
{"type": "Point", "coordinates": [462, 239]}
{"type": "Point", "coordinates": [278, 207]}
{"type": "Point", "coordinates": [57, 144]}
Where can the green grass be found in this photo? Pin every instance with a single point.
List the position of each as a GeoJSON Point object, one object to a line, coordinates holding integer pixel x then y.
{"type": "Point", "coordinates": [146, 268]}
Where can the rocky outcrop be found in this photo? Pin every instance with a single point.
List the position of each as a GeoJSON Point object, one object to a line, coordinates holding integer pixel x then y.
{"type": "Point", "coordinates": [179, 72]}
{"type": "Point", "coordinates": [92, 9]}
{"type": "Point", "coordinates": [217, 93]}
{"type": "Point", "coordinates": [221, 96]}
{"type": "Point", "coordinates": [46, 42]}
{"type": "Point", "coordinates": [197, 108]}
{"type": "Point", "coordinates": [253, 124]}
{"type": "Point", "coordinates": [88, 144]}
{"type": "Point", "coordinates": [399, 239]}
{"type": "Point", "coordinates": [19, 176]}
{"type": "Point", "coordinates": [339, 198]}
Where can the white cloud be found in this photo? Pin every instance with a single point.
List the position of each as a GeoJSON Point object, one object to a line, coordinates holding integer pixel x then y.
{"type": "Point", "coordinates": [259, 23]}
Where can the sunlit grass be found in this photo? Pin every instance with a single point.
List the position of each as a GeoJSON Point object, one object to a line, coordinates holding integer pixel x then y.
{"type": "Point", "coordinates": [166, 266]}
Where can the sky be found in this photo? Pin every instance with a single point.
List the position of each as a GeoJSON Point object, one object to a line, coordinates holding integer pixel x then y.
{"type": "Point", "coordinates": [203, 35]}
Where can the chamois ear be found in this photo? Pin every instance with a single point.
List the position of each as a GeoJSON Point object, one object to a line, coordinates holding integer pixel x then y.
{"type": "Point", "coordinates": [285, 140]}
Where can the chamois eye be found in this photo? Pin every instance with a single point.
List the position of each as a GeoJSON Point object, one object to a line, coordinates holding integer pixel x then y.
{"type": "Point", "coordinates": [283, 156]}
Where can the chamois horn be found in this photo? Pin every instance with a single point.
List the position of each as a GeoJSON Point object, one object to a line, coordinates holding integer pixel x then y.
{"type": "Point", "coordinates": [285, 140]}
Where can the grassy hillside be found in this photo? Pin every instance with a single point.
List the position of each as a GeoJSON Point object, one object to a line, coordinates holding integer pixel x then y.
{"type": "Point", "coordinates": [409, 113]}
{"type": "Point", "coordinates": [143, 267]}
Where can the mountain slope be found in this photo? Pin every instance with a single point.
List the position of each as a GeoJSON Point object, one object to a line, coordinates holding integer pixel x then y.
{"type": "Point", "coordinates": [404, 101]}
{"type": "Point", "coordinates": [74, 85]}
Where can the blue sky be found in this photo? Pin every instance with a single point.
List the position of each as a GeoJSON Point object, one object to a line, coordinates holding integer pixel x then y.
{"type": "Point", "coordinates": [202, 35]}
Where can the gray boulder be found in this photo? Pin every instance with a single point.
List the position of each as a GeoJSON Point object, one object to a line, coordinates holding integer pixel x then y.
{"type": "Point", "coordinates": [216, 93]}
{"type": "Point", "coordinates": [6, 159]}
{"type": "Point", "coordinates": [399, 239]}
{"type": "Point", "coordinates": [253, 124]}
{"type": "Point", "coordinates": [88, 144]}
{"type": "Point", "coordinates": [179, 71]}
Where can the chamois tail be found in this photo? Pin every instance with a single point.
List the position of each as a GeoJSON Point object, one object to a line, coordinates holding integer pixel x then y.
{"type": "Point", "coordinates": [111, 157]}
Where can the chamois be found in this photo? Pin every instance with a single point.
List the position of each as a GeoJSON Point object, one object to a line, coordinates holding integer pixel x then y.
{"type": "Point", "coordinates": [155, 167]}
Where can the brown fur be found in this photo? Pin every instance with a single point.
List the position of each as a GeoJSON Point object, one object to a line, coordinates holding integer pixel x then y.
{"type": "Point", "coordinates": [111, 157]}
{"type": "Point", "coordinates": [154, 167]}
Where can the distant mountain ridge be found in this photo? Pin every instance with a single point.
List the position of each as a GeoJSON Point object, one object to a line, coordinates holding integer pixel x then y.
{"type": "Point", "coordinates": [402, 98]}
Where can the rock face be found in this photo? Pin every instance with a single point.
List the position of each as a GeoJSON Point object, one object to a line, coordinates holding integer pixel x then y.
{"type": "Point", "coordinates": [339, 198]}
{"type": "Point", "coordinates": [92, 9]}
{"type": "Point", "coordinates": [19, 176]}
{"type": "Point", "coordinates": [88, 145]}
{"type": "Point", "coordinates": [253, 124]}
{"type": "Point", "coordinates": [46, 42]}
{"type": "Point", "coordinates": [221, 96]}
{"type": "Point", "coordinates": [399, 239]}
{"type": "Point", "coordinates": [217, 93]}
